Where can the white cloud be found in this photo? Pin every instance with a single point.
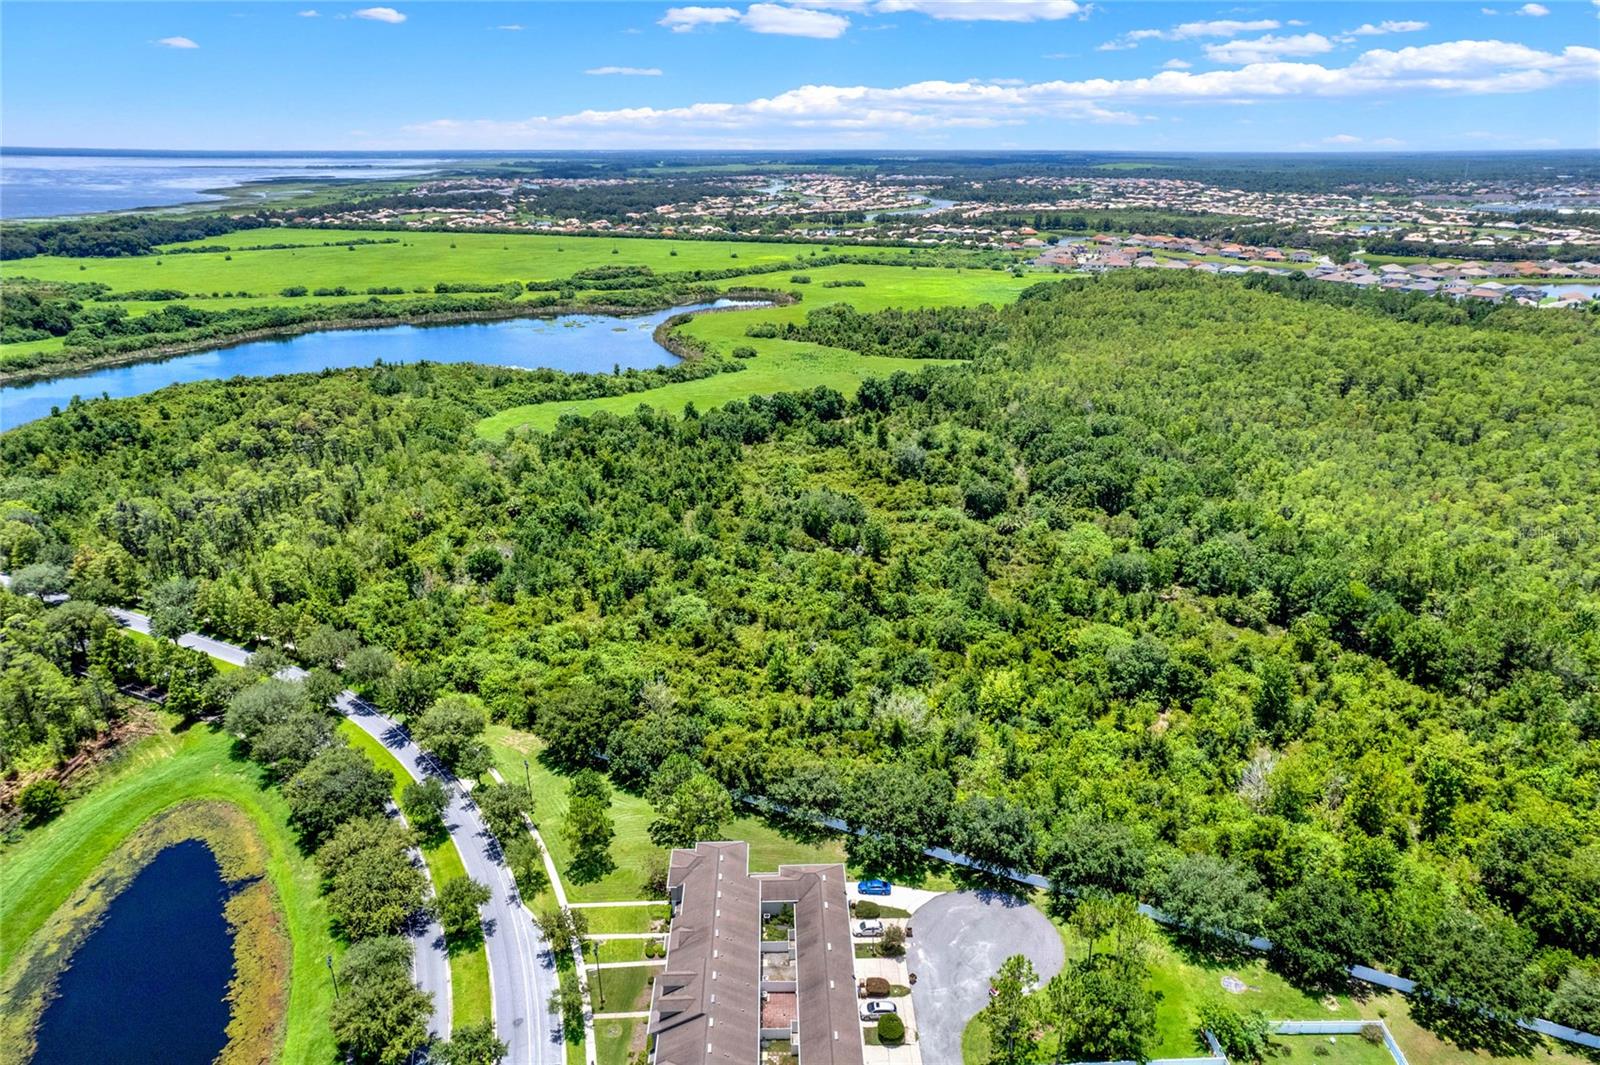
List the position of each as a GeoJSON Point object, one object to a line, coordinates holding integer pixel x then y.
{"type": "Point", "coordinates": [634, 72]}
{"type": "Point", "coordinates": [1342, 138]}
{"type": "Point", "coordinates": [790, 21]}
{"type": "Point", "coordinates": [381, 14]}
{"type": "Point", "coordinates": [310, 13]}
{"type": "Point", "coordinates": [1533, 10]}
{"type": "Point", "coordinates": [827, 114]}
{"type": "Point", "coordinates": [1268, 48]}
{"type": "Point", "coordinates": [988, 10]}
{"type": "Point", "coordinates": [1222, 27]}
{"type": "Point", "coordinates": [684, 19]}
{"type": "Point", "coordinates": [1188, 31]}
{"type": "Point", "coordinates": [793, 21]}
{"type": "Point", "coordinates": [1176, 64]}
{"type": "Point", "coordinates": [511, 27]}
{"type": "Point", "coordinates": [1387, 26]}
{"type": "Point", "coordinates": [177, 42]}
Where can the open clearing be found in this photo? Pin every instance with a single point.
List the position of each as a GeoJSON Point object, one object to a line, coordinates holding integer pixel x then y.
{"type": "Point", "coordinates": [788, 365]}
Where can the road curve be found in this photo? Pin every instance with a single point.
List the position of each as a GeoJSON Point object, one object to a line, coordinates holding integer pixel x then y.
{"type": "Point", "coordinates": [522, 977]}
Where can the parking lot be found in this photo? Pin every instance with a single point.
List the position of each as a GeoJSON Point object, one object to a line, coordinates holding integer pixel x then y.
{"type": "Point", "coordinates": [960, 940]}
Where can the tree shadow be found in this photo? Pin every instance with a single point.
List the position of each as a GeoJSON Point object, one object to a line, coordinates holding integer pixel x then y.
{"type": "Point", "coordinates": [1472, 1029]}
{"type": "Point", "coordinates": [587, 867]}
{"type": "Point", "coordinates": [470, 940]}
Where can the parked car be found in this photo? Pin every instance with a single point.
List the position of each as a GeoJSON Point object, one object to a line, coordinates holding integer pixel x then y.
{"type": "Point", "coordinates": [869, 928]}
{"type": "Point", "coordinates": [874, 887]}
{"type": "Point", "coordinates": [878, 1008]}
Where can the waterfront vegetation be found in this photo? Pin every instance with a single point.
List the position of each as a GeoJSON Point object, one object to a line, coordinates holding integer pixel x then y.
{"type": "Point", "coordinates": [44, 870]}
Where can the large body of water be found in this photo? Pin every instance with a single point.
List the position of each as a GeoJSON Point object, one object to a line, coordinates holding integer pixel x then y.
{"type": "Point", "coordinates": [575, 343]}
{"type": "Point", "coordinates": [42, 184]}
{"type": "Point", "coordinates": [150, 983]}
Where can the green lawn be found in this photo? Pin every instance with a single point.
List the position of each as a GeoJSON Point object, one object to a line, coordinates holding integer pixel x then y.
{"type": "Point", "coordinates": [786, 365]}
{"type": "Point", "coordinates": [613, 1036]}
{"type": "Point", "coordinates": [626, 990]}
{"type": "Point", "coordinates": [615, 950]}
{"type": "Point", "coordinates": [1318, 1050]}
{"type": "Point", "coordinates": [631, 850]}
{"type": "Point", "coordinates": [41, 870]}
{"type": "Point", "coordinates": [469, 969]}
{"type": "Point", "coordinates": [606, 920]}
{"type": "Point", "coordinates": [1182, 983]}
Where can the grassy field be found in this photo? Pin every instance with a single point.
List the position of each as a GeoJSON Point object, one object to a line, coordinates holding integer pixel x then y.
{"type": "Point", "coordinates": [417, 260]}
{"type": "Point", "coordinates": [40, 871]}
{"type": "Point", "coordinates": [786, 365]}
{"type": "Point", "coordinates": [631, 850]}
{"type": "Point", "coordinates": [469, 968]}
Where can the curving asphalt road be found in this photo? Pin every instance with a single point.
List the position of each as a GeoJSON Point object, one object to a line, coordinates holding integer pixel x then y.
{"type": "Point", "coordinates": [521, 969]}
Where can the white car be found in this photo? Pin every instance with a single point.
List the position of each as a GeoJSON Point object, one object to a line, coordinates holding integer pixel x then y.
{"type": "Point", "coordinates": [878, 1008]}
{"type": "Point", "coordinates": [867, 929]}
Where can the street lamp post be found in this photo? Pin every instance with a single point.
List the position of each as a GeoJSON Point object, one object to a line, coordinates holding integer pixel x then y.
{"type": "Point", "coordinates": [599, 985]}
{"type": "Point", "coordinates": [334, 975]}
{"type": "Point", "coordinates": [527, 777]}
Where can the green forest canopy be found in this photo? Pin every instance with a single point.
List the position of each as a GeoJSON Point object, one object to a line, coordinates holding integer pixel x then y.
{"type": "Point", "coordinates": [1310, 589]}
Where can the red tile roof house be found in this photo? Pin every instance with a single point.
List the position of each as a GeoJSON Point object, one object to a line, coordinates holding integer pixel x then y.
{"type": "Point", "coordinates": [707, 1004]}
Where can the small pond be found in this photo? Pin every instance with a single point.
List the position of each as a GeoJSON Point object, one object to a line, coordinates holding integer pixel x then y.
{"type": "Point", "coordinates": [149, 984]}
{"type": "Point", "coordinates": [589, 343]}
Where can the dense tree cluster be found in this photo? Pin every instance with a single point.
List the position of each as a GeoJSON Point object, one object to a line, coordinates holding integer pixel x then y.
{"type": "Point", "coordinates": [1258, 607]}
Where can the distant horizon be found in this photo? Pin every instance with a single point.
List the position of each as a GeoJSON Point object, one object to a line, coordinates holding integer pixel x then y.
{"type": "Point", "coordinates": [874, 153]}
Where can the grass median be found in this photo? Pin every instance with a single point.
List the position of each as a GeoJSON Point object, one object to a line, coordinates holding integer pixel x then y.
{"type": "Point", "coordinates": [470, 1000]}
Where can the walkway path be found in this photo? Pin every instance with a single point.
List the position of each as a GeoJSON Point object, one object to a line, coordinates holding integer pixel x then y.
{"type": "Point", "coordinates": [591, 1047]}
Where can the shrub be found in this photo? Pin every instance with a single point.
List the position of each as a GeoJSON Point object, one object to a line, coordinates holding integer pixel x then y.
{"type": "Point", "coordinates": [893, 943]}
{"type": "Point", "coordinates": [868, 909]}
{"type": "Point", "coordinates": [744, 352]}
{"type": "Point", "coordinates": [801, 279]}
{"type": "Point", "coordinates": [1372, 1034]}
{"type": "Point", "coordinates": [42, 800]}
{"type": "Point", "coordinates": [293, 290]}
{"type": "Point", "coordinates": [891, 1029]}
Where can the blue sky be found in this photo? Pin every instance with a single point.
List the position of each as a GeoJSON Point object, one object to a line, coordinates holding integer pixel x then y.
{"type": "Point", "coordinates": [954, 74]}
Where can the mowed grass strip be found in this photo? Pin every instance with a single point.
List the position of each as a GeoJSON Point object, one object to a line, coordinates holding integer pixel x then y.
{"type": "Point", "coordinates": [40, 871]}
{"type": "Point", "coordinates": [470, 1000]}
{"type": "Point", "coordinates": [623, 990]}
{"type": "Point", "coordinates": [613, 1037]}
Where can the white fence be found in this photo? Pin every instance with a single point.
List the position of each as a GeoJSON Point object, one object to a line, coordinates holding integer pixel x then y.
{"type": "Point", "coordinates": [1360, 972]}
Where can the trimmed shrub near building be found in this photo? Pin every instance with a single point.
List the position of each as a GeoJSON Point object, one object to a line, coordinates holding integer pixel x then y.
{"type": "Point", "coordinates": [891, 1029]}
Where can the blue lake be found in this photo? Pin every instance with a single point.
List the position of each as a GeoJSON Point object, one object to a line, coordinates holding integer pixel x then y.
{"type": "Point", "coordinates": [574, 343]}
{"type": "Point", "coordinates": [149, 984]}
{"type": "Point", "coordinates": [41, 183]}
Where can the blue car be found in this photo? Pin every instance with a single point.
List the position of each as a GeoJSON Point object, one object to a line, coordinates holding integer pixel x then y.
{"type": "Point", "coordinates": [873, 887]}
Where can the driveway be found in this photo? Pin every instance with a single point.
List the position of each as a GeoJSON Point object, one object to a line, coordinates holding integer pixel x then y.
{"type": "Point", "coordinates": [959, 942]}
